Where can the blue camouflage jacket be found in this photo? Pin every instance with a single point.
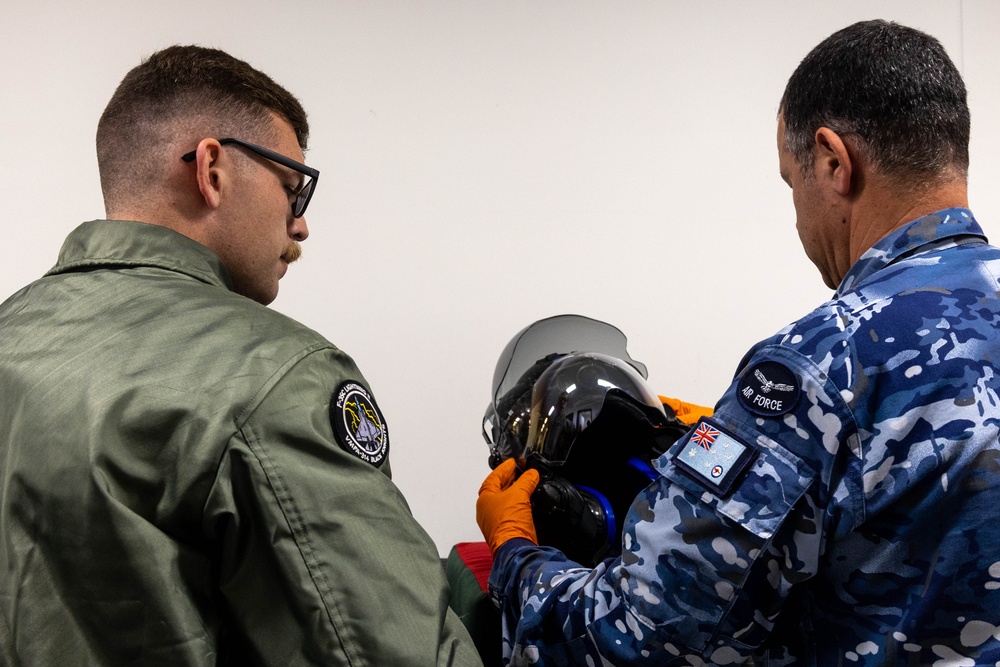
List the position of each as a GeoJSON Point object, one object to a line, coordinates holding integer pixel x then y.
{"type": "Point", "coordinates": [840, 507]}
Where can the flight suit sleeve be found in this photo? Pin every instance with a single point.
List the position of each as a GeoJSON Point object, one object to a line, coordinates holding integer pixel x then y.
{"type": "Point", "coordinates": [320, 560]}
{"type": "Point", "coordinates": [712, 548]}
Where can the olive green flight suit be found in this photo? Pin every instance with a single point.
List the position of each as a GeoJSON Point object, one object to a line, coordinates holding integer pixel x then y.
{"type": "Point", "coordinates": [172, 491]}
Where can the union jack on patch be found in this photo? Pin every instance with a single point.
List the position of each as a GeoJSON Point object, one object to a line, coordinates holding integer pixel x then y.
{"type": "Point", "coordinates": [714, 458]}
{"type": "Point", "coordinates": [704, 435]}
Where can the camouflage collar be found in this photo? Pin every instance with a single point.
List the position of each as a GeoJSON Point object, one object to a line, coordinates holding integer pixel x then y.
{"type": "Point", "coordinates": [948, 223]}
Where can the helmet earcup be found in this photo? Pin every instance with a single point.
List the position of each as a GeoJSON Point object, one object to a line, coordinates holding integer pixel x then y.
{"type": "Point", "coordinates": [579, 521]}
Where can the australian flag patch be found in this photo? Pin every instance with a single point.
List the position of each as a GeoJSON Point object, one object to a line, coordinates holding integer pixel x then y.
{"type": "Point", "coordinates": [714, 457]}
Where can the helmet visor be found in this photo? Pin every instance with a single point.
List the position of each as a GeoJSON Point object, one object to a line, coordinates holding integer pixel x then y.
{"type": "Point", "coordinates": [562, 334]}
{"type": "Point", "coordinates": [570, 395]}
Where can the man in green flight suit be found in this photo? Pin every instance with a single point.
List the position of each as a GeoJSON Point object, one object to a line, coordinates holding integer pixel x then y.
{"type": "Point", "coordinates": [186, 476]}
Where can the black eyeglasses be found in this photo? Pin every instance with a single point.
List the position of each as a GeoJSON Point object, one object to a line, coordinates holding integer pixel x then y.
{"type": "Point", "coordinates": [305, 191]}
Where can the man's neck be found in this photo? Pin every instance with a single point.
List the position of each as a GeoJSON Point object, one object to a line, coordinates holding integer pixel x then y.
{"type": "Point", "coordinates": [882, 209]}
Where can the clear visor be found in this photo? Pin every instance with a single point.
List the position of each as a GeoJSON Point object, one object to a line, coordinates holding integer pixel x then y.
{"type": "Point", "coordinates": [562, 334]}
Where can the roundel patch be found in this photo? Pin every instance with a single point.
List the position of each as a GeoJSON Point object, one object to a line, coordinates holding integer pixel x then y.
{"type": "Point", "coordinates": [358, 424]}
{"type": "Point", "coordinates": [769, 389]}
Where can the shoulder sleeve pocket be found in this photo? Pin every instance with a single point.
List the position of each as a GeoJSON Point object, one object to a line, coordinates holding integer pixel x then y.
{"type": "Point", "coordinates": [760, 493]}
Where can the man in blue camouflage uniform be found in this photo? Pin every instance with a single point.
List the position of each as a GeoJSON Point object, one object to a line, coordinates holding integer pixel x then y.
{"type": "Point", "coordinates": [839, 507]}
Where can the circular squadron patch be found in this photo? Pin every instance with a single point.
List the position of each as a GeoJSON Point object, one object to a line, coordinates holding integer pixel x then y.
{"type": "Point", "coordinates": [769, 389]}
{"type": "Point", "coordinates": [358, 423]}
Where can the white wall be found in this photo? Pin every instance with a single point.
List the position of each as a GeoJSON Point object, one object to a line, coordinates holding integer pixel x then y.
{"type": "Point", "coordinates": [486, 164]}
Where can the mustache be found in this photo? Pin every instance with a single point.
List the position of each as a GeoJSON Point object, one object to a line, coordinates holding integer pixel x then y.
{"type": "Point", "coordinates": [293, 252]}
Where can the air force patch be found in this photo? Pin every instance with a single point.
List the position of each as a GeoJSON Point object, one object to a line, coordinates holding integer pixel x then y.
{"type": "Point", "coordinates": [358, 423]}
{"type": "Point", "coordinates": [714, 458]}
{"type": "Point", "coordinates": [768, 389]}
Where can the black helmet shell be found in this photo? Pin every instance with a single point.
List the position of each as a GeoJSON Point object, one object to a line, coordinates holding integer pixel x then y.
{"type": "Point", "coordinates": [572, 393]}
{"type": "Point", "coordinates": [524, 358]}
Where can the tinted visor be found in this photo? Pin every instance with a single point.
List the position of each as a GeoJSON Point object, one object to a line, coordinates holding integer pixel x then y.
{"type": "Point", "coordinates": [570, 396]}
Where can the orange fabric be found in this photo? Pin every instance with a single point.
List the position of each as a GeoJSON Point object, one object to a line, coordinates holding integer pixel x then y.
{"type": "Point", "coordinates": [689, 413]}
{"type": "Point", "coordinates": [503, 510]}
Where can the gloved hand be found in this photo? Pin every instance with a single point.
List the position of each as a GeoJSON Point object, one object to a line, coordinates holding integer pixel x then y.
{"type": "Point", "coordinates": [689, 413]}
{"type": "Point", "coordinates": [503, 510]}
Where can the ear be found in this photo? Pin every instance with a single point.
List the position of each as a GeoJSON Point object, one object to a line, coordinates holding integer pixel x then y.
{"type": "Point", "coordinates": [209, 172]}
{"type": "Point", "coordinates": [834, 163]}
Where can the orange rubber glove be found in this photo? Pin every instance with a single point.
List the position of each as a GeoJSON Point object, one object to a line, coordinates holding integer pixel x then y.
{"type": "Point", "coordinates": [503, 510]}
{"type": "Point", "coordinates": [689, 413]}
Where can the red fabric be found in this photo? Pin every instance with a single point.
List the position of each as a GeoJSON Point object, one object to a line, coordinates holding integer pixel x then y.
{"type": "Point", "coordinates": [477, 557]}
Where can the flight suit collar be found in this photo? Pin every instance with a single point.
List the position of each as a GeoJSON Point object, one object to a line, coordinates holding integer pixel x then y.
{"type": "Point", "coordinates": [124, 243]}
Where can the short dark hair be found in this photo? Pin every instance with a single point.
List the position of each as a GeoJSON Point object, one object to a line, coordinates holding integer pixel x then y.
{"type": "Point", "coordinates": [185, 86]}
{"type": "Point", "coordinates": [893, 89]}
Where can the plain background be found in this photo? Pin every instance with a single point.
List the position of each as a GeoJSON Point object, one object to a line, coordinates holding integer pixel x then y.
{"type": "Point", "coordinates": [487, 164]}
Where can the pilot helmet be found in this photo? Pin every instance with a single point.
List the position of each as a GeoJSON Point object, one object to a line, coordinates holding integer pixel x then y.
{"type": "Point", "coordinates": [571, 402]}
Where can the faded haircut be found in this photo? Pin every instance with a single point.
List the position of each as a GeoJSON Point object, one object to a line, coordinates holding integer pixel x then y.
{"type": "Point", "coordinates": [890, 90]}
{"type": "Point", "coordinates": [179, 89]}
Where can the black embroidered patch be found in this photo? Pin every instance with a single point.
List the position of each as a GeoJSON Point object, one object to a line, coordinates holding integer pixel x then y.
{"type": "Point", "coordinates": [358, 423]}
{"type": "Point", "coordinates": [769, 389]}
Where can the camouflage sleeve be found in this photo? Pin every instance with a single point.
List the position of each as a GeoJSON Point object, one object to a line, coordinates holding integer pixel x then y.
{"type": "Point", "coordinates": [712, 549]}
